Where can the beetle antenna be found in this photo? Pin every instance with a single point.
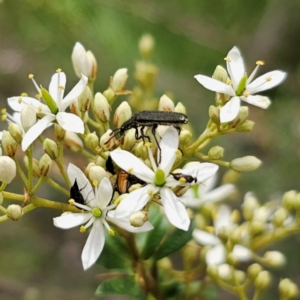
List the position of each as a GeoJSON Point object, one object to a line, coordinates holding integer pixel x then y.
{"type": "Point", "coordinates": [113, 135]}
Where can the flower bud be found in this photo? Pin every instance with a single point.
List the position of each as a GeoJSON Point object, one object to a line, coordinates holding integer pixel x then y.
{"type": "Point", "coordinates": [35, 166]}
{"type": "Point", "coordinates": [220, 74]}
{"type": "Point", "coordinates": [91, 140]}
{"type": "Point", "coordinates": [45, 164]}
{"type": "Point", "coordinates": [16, 132]}
{"type": "Point", "coordinates": [245, 164]}
{"type": "Point", "coordinates": [129, 139]}
{"type": "Point", "coordinates": [262, 280]}
{"type": "Point", "coordinates": [141, 151]}
{"type": "Point", "coordinates": [100, 161]}
{"type": "Point", "coordinates": [274, 259]}
{"type": "Point", "coordinates": [216, 152]}
{"type": "Point", "coordinates": [107, 140]}
{"type": "Point", "coordinates": [165, 104]}
{"type": "Point", "coordinates": [14, 212]}
{"type": "Point", "coordinates": [8, 143]}
{"type": "Point", "coordinates": [256, 227]}
{"type": "Point", "coordinates": [280, 216]}
{"type": "Point", "coordinates": [122, 114]}
{"type": "Point", "coordinates": [84, 99]}
{"type": "Point", "coordinates": [180, 108]}
{"type": "Point", "coordinates": [101, 108]}
{"type": "Point", "coordinates": [97, 173]}
{"type": "Point", "coordinates": [243, 114]}
{"type": "Point", "coordinates": [119, 80]}
{"type": "Point", "coordinates": [185, 137]}
{"type": "Point", "coordinates": [288, 289]}
{"type": "Point", "coordinates": [73, 141]}
{"type": "Point", "coordinates": [253, 270]}
{"type": "Point", "coordinates": [50, 147]}
{"type": "Point", "coordinates": [59, 132]}
{"type": "Point", "coordinates": [138, 218]}
{"type": "Point", "coordinates": [247, 126]}
{"type": "Point", "coordinates": [224, 272]}
{"type": "Point", "coordinates": [28, 117]}
{"type": "Point", "coordinates": [212, 271]}
{"type": "Point", "coordinates": [74, 107]}
{"type": "Point", "coordinates": [146, 45]}
{"type": "Point", "coordinates": [249, 206]}
{"type": "Point", "coordinates": [7, 169]}
{"type": "Point", "coordinates": [110, 95]}
{"type": "Point", "coordinates": [289, 199]}
{"type": "Point", "coordinates": [83, 62]}
{"type": "Point", "coordinates": [230, 176]}
{"type": "Point", "coordinates": [214, 114]}
{"type": "Point", "coordinates": [87, 169]}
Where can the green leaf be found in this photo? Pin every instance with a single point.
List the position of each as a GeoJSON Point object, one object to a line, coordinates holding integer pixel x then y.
{"type": "Point", "coordinates": [174, 241]}
{"type": "Point", "coordinates": [154, 237]}
{"type": "Point", "coordinates": [121, 286]}
{"type": "Point", "coordinates": [115, 253]}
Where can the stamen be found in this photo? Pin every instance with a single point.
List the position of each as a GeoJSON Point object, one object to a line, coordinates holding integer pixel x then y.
{"type": "Point", "coordinates": [228, 81]}
{"type": "Point", "coordinates": [40, 109]}
{"type": "Point", "coordinates": [210, 229]}
{"type": "Point", "coordinates": [129, 171]}
{"type": "Point", "coordinates": [268, 78]}
{"type": "Point", "coordinates": [117, 201]}
{"type": "Point", "coordinates": [260, 63]}
{"type": "Point", "coordinates": [246, 94]}
{"type": "Point", "coordinates": [95, 182]}
{"type": "Point", "coordinates": [177, 152]}
{"type": "Point", "coordinates": [152, 161]}
{"type": "Point", "coordinates": [150, 193]}
{"type": "Point", "coordinates": [82, 229]}
{"type": "Point", "coordinates": [58, 70]}
{"type": "Point", "coordinates": [24, 94]}
{"type": "Point", "coordinates": [111, 232]}
{"type": "Point", "coordinates": [30, 76]}
{"type": "Point", "coordinates": [38, 96]}
{"type": "Point", "coordinates": [3, 117]}
{"type": "Point", "coordinates": [71, 201]}
{"type": "Point", "coordinates": [148, 144]}
{"type": "Point", "coordinates": [20, 100]}
{"type": "Point", "coordinates": [3, 110]}
{"type": "Point", "coordinates": [227, 59]}
{"type": "Point", "coordinates": [61, 87]}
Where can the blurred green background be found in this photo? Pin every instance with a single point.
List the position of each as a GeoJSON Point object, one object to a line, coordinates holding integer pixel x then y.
{"type": "Point", "coordinates": [38, 261]}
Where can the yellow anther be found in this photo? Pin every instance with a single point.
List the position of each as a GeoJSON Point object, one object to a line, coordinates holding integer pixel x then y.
{"type": "Point", "coordinates": [260, 63]}
{"type": "Point", "coordinates": [129, 171]}
{"type": "Point", "coordinates": [95, 182]}
{"type": "Point", "coordinates": [210, 229]}
{"type": "Point", "coordinates": [117, 201]}
{"type": "Point", "coordinates": [227, 59]}
{"type": "Point", "coordinates": [150, 193]}
{"type": "Point", "coordinates": [177, 152]}
{"type": "Point", "coordinates": [20, 100]}
{"type": "Point", "coordinates": [71, 201]}
{"type": "Point", "coordinates": [40, 109]}
{"type": "Point", "coordinates": [111, 232]}
{"type": "Point", "coordinates": [3, 117]}
{"type": "Point", "coordinates": [82, 229]}
{"type": "Point", "coordinates": [148, 144]}
{"type": "Point", "coordinates": [3, 110]}
{"type": "Point", "coordinates": [30, 76]}
{"type": "Point", "coordinates": [228, 81]}
{"type": "Point", "coordinates": [246, 94]}
{"type": "Point", "coordinates": [38, 96]}
{"type": "Point", "coordinates": [182, 180]}
{"type": "Point", "coordinates": [268, 78]}
{"type": "Point", "coordinates": [61, 87]}
{"type": "Point", "coordinates": [24, 94]}
{"type": "Point", "coordinates": [58, 70]}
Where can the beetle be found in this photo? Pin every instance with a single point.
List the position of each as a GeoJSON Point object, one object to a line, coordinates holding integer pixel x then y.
{"type": "Point", "coordinates": [75, 193]}
{"type": "Point", "coordinates": [188, 178]}
{"type": "Point", "coordinates": [150, 118]}
{"type": "Point", "coordinates": [125, 181]}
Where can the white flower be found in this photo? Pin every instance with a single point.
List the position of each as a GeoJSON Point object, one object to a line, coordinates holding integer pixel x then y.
{"type": "Point", "coordinates": [97, 214]}
{"type": "Point", "coordinates": [202, 193]}
{"type": "Point", "coordinates": [158, 180]}
{"type": "Point", "coordinates": [240, 86]}
{"type": "Point", "coordinates": [54, 111]}
{"type": "Point", "coordinates": [216, 255]}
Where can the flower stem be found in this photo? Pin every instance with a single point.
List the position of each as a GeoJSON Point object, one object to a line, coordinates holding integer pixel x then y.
{"type": "Point", "coordinates": [20, 171]}
{"type": "Point", "coordinates": [57, 186]}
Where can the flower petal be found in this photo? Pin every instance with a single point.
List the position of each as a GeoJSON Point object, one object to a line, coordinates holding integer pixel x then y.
{"type": "Point", "coordinates": [94, 245]}
{"type": "Point", "coordinates": [18, 103]}
{"type": "Point", "coordinates": [75, 92]}
{"type": "Point", "coordinates": [205, 238]}
{"type": "Point", "coordinates": [174, 209]}
{"type": "Point", "coordinates": [235, 66]}
{"type": "Point", "coordinates": [257, 100]}
{"type": "Point", "coordinates": [135, 201]}
{"type": "Point", "coordinates": [71, 220]}
{"type": "Point", "coordinates": [215, 85]}
{"type": "Point", "coordinates": [242, 253]}
{"type": "Point", "coordinates": [70, 122]}
{"type": "Point", "coordinates": [80, 61]}
{"type": "Point", "coordinates": [104, 193]}
{"type": "Point", "coordinates": [34, 132]}
{"type": "Point", "coordinates": [84, 185]}
{"type": "Point", "coordinates": [57, 86]}
{"type": "Point", "coordinates": [230, 110]}
{"type": "Point", "coordinates": [266, 81]}
{"type": "Point", "coordinates": [124, 223]}
{"type": "Point", "coordinates": [133, 165]}
{"type": "Point", "coordinates": [216, 255]}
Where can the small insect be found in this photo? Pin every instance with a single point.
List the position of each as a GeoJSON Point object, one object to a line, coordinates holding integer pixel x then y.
{"type": "Point", "coordinates": [125, 181]}
{"type": "Point", "coordinates": [187, 178]}
{"type": "Point", "coordinates": [75, 193]}
{"type": "Point", "coordinates": [150, 118]}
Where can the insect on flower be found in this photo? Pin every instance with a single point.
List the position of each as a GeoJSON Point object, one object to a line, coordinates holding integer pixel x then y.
{"type": "Point", "coordinates": [125, 181]}
{"type": "Point", "coordinates": [184, 177]}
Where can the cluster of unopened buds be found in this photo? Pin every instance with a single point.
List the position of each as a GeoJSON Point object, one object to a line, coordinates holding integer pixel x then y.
{"type": "Point", "coordinates": [145, 163]}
